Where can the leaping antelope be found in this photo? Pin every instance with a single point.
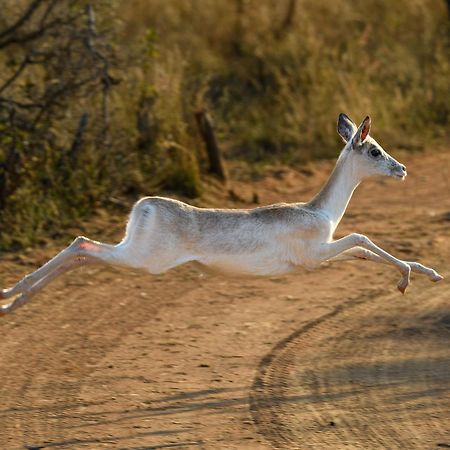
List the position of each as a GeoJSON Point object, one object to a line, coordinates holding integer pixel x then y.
{"type": "Point", "coordinates": [163, 233]}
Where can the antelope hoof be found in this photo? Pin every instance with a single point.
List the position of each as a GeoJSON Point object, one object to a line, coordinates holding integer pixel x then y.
{"type": "Point", "coordinates": [402, 289]}
{"type": "Point", "coordinates": [435, 277]}
{"type": "Point", "coordinates": [6, 293]}
{"type": "Point", "coordinates": [403, 284]}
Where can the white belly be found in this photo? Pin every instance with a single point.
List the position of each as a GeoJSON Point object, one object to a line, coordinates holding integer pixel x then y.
{"type": "Point", "coordinates": [253, 265]}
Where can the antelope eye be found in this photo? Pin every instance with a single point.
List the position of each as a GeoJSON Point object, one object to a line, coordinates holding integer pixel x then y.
{"type": "Point", "coordinates": [375, 152]}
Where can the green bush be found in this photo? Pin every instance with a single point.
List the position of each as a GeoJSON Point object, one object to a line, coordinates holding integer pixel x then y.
{"type": "Point", "coordinates": [273, 74]}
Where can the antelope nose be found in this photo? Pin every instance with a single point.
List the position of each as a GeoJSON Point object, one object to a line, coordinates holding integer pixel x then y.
{"type": "Point", "coordinates": [403, 170]}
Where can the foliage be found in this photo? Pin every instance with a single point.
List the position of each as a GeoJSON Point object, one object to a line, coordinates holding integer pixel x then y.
{"type": "Point", "coordinates": [277, 73]}
{"type": "Point", "coordinates": [98, 99]}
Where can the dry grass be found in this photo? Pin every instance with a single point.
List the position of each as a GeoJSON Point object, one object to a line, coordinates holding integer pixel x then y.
{"type": "Point", "coordinates": [275, 83]}
{"type": "Point", "coordinates": [273, 74]}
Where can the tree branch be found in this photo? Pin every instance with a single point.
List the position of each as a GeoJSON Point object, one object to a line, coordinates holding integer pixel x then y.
{"type": "Point", "coordinates": [16, 74]}
{"type": "Point", "coordinates": [30, 36]}
{"type": "Point", "coordinates": [78, 139]}
{"type": "Point", "coordinates": [19, 22]}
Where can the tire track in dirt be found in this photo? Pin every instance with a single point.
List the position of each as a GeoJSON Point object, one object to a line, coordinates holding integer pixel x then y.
{"type": "Point", "coordinates": [372, 373]}
{"type": "Point", "coordinates": [269, 387]}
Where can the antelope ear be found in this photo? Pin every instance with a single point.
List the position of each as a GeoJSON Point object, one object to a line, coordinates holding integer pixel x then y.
{"type": "Point", "coordinates": [362, 132]}
{"type": "Point", "coordinates": [346, 127]}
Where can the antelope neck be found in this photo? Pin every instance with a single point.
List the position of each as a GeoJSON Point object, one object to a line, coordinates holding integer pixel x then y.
{"type": "Point", "coordinates": [335, 195]}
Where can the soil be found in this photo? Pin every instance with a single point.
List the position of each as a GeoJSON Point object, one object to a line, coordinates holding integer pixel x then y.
{"type": "Point", "coordinates": [330, 359]}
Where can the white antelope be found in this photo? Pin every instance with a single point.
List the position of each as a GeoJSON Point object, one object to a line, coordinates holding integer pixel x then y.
{"type": "Point", "coordinates": [163, 233]}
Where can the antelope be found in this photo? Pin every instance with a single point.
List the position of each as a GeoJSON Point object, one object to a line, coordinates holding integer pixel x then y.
{"type": "Point", "coordinates": [162, 233]}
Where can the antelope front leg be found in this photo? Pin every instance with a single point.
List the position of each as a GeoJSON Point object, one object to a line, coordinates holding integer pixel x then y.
{"type": "Point", "coordinates": [335, 248]}
{"type": "Point", "coordinates": [363, 254]}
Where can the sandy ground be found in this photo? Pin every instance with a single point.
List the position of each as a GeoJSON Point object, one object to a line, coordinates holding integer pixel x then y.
{"type": "Point", "coordinates": [335, 358]}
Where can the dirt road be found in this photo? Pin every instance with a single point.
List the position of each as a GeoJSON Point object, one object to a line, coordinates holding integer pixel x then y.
{"type": "Point", "coordinates": [335, 358]}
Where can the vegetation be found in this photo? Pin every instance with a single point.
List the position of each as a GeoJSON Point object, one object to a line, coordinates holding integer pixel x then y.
{"type": "Point", "coordinates": [96, 103]}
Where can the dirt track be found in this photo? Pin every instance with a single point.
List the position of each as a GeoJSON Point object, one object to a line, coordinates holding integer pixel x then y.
{"type": "Point", "coordinates": [335, 358]}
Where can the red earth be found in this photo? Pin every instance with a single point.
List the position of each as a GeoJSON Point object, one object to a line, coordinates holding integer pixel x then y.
{"type": "Point", "coordinates": [335, 358]}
